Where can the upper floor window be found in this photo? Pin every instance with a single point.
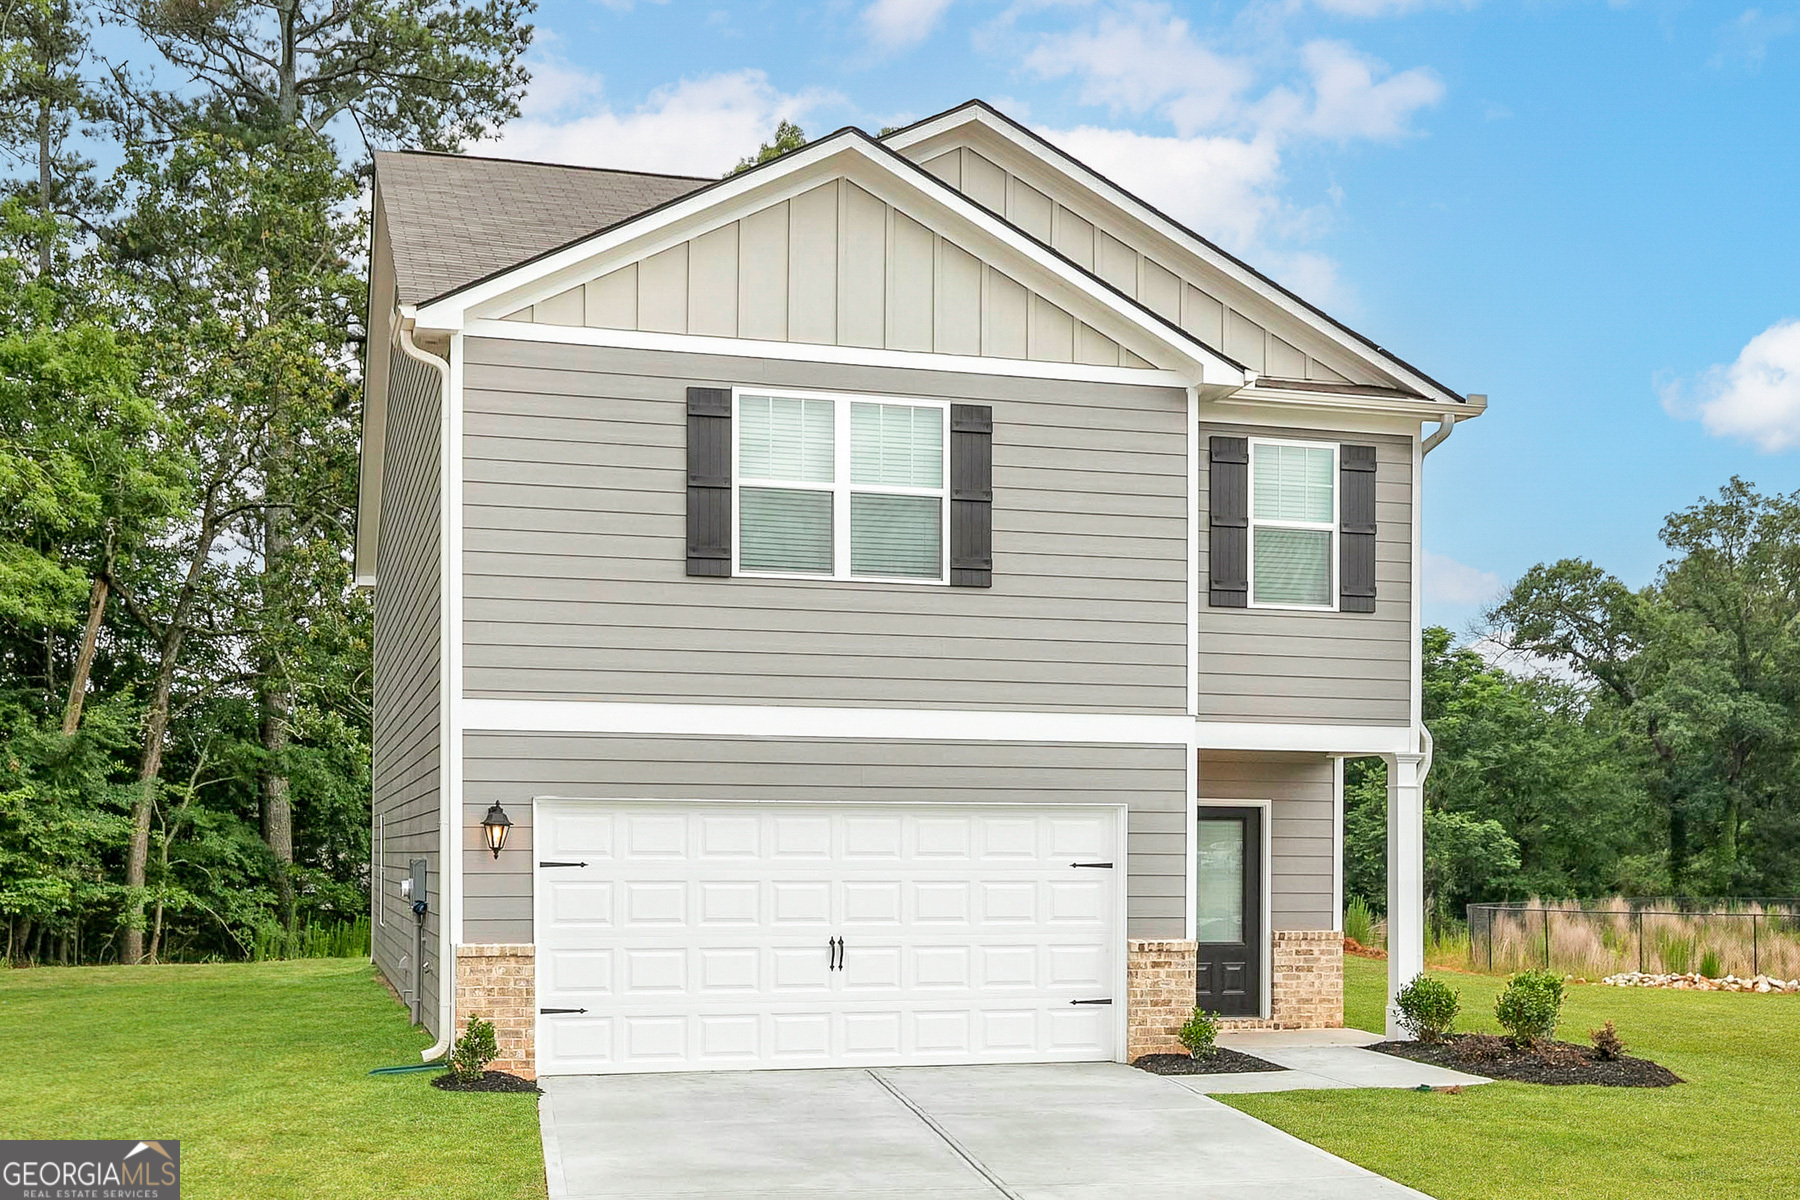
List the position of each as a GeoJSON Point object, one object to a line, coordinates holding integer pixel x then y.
{"type": "Point", "coordinates": [840, 487]}
{"type": "Point", "coordinates": [1293, 524]}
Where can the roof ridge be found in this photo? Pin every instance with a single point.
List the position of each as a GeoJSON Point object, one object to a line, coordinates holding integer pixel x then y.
{"type": "Point", "coordinates": [538, 162]}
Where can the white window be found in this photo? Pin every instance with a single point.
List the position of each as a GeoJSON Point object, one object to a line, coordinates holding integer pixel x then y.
{"type": "Point", "coordinates": [840, 487]}
{"type": "Point", "coordinates": [1293, 524]}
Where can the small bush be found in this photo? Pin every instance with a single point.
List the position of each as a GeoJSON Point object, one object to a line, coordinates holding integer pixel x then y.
{"type": "Point", "coordinates": [473, 1051]}
{"type": "Point", "coordinates": [1530, 1007]}
{"type": "Point", "coordinates": [1201, 1034]}
{"type": "Point", "coordinates": [1428, 1008]}
{"type": "Point", "coordinates": [1607, 1045]}
{"type": "Point", "coordinates": [1709, 965]}
{"type": "Point", "coordinates": [1359, 921]}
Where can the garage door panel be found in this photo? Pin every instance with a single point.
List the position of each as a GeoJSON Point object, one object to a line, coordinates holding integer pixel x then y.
{"type": "Point", "coordinates": [699, 936]}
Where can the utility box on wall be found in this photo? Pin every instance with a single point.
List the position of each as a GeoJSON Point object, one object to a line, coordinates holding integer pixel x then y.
{"type": "Point", "coordinates": [416, 881]}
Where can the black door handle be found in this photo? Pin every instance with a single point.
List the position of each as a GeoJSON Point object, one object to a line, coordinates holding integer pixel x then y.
{"type": "Point", "coordinates": [832, 945]}
{"type": "Point", "coordinates": [840, 954]}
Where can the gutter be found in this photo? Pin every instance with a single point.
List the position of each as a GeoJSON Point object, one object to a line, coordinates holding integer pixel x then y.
{"type": "Point", "coordinates": [447, 823]}
{"type": "Point", "coordinates": [1447, 423]}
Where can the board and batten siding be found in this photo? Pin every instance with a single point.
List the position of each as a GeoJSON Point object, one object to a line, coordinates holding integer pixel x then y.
{"type": "Point", "coordinates": [836, 265]}
{"type": "Point", "coordinates": [1163, 278]}
{"type": "Point", "coordinates": [575, 584]}
{"type": "Point", "coordinates": [408, 708]}
{"type": "Point", "coordinates": [513, 769]}
{"type": "Point", "coordinates": [1333, 668]}
{"type": "Point", "coordinates": [1302, 879]}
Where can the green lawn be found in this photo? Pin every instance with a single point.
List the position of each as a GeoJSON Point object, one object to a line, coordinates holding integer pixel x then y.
{"type": "Point", "coordinates": [1727, 1132]}
{"type": "Point", "coordinates": [261, 1071]}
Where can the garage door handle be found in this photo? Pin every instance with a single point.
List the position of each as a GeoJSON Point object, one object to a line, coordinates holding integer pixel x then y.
{"type": "Point", "coordinates": [833, 948]}
{"type": "Point", "coordinates": [1105, 866]}
{"type": "Point", "coordinates": [550, 1012]}
{"type": "Point", "coordinates": [1108, 1000]}
{"type": "Point", "coordinates": [562, 864]}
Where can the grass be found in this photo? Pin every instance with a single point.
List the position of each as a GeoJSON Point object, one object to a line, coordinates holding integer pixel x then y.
{"type": "Point", "coordinates": [1725, 1132]}
{"type": "Point", "coordinates": [261, 1069]}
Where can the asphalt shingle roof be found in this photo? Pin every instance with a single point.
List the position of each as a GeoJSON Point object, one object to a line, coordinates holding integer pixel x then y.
{"type": "Point", "coordinates": [453, 219]}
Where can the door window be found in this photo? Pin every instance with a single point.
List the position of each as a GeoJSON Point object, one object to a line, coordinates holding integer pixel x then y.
{"type": "Point", "coordinates": [1221, 880]}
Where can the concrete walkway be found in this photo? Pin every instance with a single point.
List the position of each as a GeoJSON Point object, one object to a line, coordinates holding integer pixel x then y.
{"type": "Point", "coordinates": [1089, 1131]}
{"type": "Point", "coordinates": [1322, 1058]}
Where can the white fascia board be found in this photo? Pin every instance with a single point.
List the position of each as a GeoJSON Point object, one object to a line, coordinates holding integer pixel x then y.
{"type": "Point", "coordinates": [1259, 409]}
{"type": "Point", "coordinates": [779, 721]}
{"type": "Point", "coordinates": [913, 360]}
{"type": "Point", "coordinates": [1068, 166]}
{"type": "Point", "coordinates": [1350, 740]}
{"type": "Point", "coordinates": [727, 201]}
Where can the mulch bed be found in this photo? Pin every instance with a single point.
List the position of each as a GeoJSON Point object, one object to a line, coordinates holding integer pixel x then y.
{"type": "Point", "coordinates": [1554, 1063]}
{"type": "Point", "coordinates": [1224, 1062]}
{"type": "Point", "coordinates": [490, 1081]}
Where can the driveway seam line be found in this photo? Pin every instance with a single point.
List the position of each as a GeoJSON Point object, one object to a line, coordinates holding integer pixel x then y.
{"type": "Point", "coordinates": [975, 1164]}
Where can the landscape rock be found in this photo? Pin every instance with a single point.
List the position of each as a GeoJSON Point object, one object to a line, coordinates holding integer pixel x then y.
{"type": "Point", "coordinates": [1692, 982]}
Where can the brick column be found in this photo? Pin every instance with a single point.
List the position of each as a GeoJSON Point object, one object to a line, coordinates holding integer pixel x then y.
{"type": "Point", "coordinates": [1159, 996]}
{"type": "Point", "coordinates": [498, 983]}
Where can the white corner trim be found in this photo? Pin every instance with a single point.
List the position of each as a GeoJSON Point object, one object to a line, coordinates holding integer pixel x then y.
{"type": "Point", "coordinates": [453, 532]}
{"type": "Point", "coordinates": [780, 721]}
{"type": "Point", "coordinates": [1193, 551]}
{"type": "Point", "coordinates": [1337, 841]}
{"type": "Point", "coordinates": [910, 360]}
{"type": "Point", "coordinates": [1350, 740]}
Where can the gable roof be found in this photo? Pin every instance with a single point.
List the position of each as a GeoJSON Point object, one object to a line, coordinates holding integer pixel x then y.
{"type": "Point", "coordinates": [454, 219]}
{"type": "Point", "coordinates": [980, 112]}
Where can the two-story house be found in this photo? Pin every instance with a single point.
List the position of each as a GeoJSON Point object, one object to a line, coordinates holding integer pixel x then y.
{"type": "Point", "coordinates": [909, 602]}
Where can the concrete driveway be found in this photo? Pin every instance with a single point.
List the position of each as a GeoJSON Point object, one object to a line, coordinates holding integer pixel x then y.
{"type": "Point", "coordinates": [1090, 1131]}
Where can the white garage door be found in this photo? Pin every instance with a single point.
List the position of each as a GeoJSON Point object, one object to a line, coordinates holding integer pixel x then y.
{"type": "Point", "coordinates": [709, 936]}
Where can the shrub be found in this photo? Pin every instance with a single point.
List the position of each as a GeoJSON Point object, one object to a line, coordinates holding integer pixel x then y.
{"type": "Point", "coordinates": [1709, 965]}
{"type": "Point", "coordinates": [1428, 1008]}
{"type": "Point", "coordinates": [1530, 1007]}
{"type": "Point", "coordinates": [1200, 1035]}
{"type": "Point", "coordinates": [1607, 1045]}
{"type": "Point", "coordinates": [473, 1051]}
{"type": "Point", "coordinates": [1359, 921]}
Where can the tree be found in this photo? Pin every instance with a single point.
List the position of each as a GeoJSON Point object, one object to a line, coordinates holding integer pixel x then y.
{"type": "Point", "coordinates": [788, 136]}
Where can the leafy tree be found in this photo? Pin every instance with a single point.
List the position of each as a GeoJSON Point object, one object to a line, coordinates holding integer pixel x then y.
{"type": "Point", "coordinates": [788, 136]}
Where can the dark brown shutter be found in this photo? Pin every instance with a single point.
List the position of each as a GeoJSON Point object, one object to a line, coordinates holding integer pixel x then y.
{"type": "Point", "coordinates": [1228, 510]}
{"type": "Point", "coordinates": [1356, 529]}
{"type": "Point", "coordinates": [971, 495]}
{"type": "Point", "coordinates": [709, 481]}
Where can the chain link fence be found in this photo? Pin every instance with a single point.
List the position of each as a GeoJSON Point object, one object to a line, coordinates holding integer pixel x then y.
{"type": "Point", "coordinates": [1592, 939]}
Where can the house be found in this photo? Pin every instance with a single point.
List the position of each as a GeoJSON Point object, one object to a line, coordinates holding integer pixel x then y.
{"type": "Point", "coordinates": [909, 602]}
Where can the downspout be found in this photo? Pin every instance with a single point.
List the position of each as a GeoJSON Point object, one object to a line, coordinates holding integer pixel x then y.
{"type": "Point", "coordinates": [1446, 424]}
{"type": "Point", "coordinates": [448, 824]}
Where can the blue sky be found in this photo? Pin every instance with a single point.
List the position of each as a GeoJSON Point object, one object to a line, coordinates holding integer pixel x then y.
{"type": "Point", "coordinates": [1585, 209]}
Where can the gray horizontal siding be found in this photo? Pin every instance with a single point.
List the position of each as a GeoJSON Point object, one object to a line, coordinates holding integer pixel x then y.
{"type": "Point", "coordinates": [1328, 668]}
{"type": "Point", "coordinates": [407, 706]}
{"type": "Point", "coordinates": [575, 569]}
{"type": "Point", "coordinates": [512, 769]}
{"type": "Point", "coordinates": [1302, 875]}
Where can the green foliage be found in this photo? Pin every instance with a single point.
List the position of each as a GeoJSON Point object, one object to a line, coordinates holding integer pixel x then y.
{"type": "Point", "coordinates": [1200, 1034]}
{"type": "Point", "coordinates": [1428, 1008]}
{"type": "Point", "coordinates": [1710, 966]}
{"type": "Point", "coordinates": [1530, 1007]}
{"type": "Point", "coordinates": [788, 136]}
{"type": "Point", "coordinates": [1359, 921]}
{"type": "Point", "coordinates": [474, 1050]}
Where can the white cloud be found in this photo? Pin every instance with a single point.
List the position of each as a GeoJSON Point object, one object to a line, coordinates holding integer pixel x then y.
{"type": "Point", "coordinates": [1755, 399]}
{"type": "Point", "coordinates": [898, 24]}
{"type": "Point", "coordinates": [1386, 8]}
{"type": "Point", "coordinates": [697, 126]}
{"type": "Point", "coordinates": [1137, 59]}
{"type": "Point", "coordinates": [1446, 581]}
{"type": "Point", "coordinates": [1349, 102]}
{"type": "Point", "coordinates": [1746, 39]}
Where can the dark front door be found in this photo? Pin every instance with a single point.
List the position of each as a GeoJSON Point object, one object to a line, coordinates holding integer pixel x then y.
{"type": "Point", "coordinates": [1228, 916]}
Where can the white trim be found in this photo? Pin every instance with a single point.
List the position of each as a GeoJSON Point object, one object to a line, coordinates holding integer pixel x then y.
{"type": "Point", "coordinates": [453, 633]}
{"type": "Point", "coordinates": [1330, 528]}
{"type": "Point", "coordinates": [1066, 166]}
{"type": "Point", "coordinates": [1355, 740]}
{"type": "Point", "coordinates": [1193, 551]}
{"type": "Point", "coordinates": [1337, 842]}
{"type": "Point", "coordinates": [378, 888]}
{"type": "Point", "coordinates": [775, 721]}
{"type": "Point", "coordinates": [1418, 517]}
{"type": "Point", "coordinates": [561, 266]}
{"type": "Point", "coordinates": [841, 487]}
{"type": "Point", "coordinates": [1268, 888]}
{"type": "Point", "coordinates": [1191, 848]}
{"type": "Point", "coordinates": [858, 356]}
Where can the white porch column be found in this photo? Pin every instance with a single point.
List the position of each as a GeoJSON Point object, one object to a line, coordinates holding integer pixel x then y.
{"type": "Point", "coordinates": [1405, 877]}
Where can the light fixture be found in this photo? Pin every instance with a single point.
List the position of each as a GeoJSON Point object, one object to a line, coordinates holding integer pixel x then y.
{"type": "Point", "coordinates": [494, 827]}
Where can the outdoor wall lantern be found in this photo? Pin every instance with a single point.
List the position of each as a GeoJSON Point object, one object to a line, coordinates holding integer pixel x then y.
{"type": "Point", "coordinates": [494, 827]}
